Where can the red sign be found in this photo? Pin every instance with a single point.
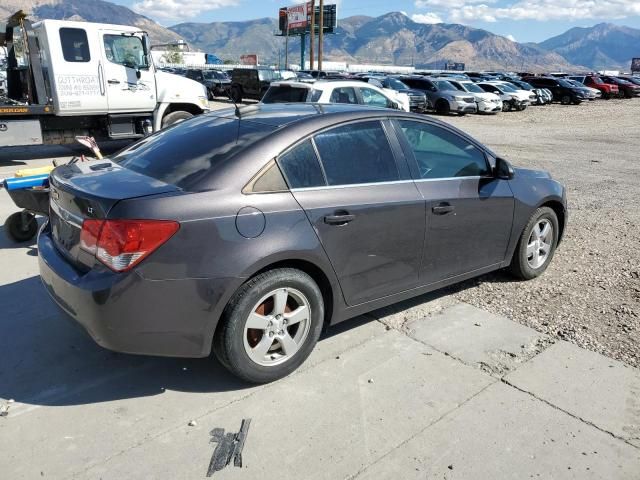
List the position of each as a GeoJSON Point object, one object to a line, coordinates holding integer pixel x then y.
{"type": "Point", "coordinates": [250, 59]}
{"type": "Point", "coordinates": [298, 15]}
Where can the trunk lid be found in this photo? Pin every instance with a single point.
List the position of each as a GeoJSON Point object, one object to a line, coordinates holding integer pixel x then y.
{"type": "Point", "coordinates": [86, 190]}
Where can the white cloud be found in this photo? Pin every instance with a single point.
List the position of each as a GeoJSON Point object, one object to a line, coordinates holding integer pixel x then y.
{"type": "Point", "coordinates": [179, 9]}
{"type": "Point", "coordinates": [542, 10]}
{"type": "Point", "coordinates": [448, 4]}
{"type": "Point", "coordinates": [511, 37]}
{"type": "Point", "coordinates": [428, 17]}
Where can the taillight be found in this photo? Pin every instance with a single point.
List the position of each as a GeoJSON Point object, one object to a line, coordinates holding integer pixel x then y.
{"type": "Point", "coordinates": [122, 244]}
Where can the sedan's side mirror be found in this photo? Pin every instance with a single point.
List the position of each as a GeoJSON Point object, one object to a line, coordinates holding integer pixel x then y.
{"type": "Point", "coordinates": [503, 169]}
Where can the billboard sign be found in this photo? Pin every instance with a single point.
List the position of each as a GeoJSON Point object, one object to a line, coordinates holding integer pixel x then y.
{"type": "Point", "coordinates": [299, 19]}
{"type": "Point", "coordinates": [298, 16]}
{"type": "Point", "coordinates": [458, 67]}
{"type": "Point", "coordinates": [249, 59]}
{"type": "Point", "coordinates": [635, 65]}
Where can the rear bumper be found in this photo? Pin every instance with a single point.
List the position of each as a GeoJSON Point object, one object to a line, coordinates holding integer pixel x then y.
{"type": "Point", "coordinates": [130, 314]}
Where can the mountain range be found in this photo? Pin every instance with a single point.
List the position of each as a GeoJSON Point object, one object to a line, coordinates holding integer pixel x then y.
{"type": "Point", "coordinates": [387, 39]}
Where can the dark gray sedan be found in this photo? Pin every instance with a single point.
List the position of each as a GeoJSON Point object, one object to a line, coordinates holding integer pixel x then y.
{"type": "Point", "coordinates": [246, 231]}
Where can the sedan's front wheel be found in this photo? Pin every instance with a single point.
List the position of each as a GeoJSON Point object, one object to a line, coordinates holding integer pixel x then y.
{"type": "Point", "coordinates": [270, 326]}
{"type": "Point", "coordinates": [537, 245]}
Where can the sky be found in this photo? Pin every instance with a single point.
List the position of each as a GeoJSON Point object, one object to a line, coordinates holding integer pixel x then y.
{"type": "Point", "coordinates": [520, 20]}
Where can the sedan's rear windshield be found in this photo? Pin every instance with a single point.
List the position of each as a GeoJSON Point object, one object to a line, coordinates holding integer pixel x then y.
{"type": "Point", "coordinates": [285, 94]}
{"type": "Point", "coordinates": [187, 152]}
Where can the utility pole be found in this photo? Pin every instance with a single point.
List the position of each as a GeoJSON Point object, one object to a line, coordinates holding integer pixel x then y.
{"type": "Point", "coordinates": [320, 34]}
{"type": "Point", "coordinates": [286, 46]}
{"type": "Point", "coordinates": [312, 38]}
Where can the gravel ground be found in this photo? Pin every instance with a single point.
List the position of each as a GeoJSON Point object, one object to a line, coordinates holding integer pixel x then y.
{"type": "Point", "coordinates": [590, 294]}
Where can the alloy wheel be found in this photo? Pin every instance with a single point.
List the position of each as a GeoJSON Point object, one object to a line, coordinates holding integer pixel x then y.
{"type": "Point", "coordinates": [540, 243]}
{"type": "Point", "coordinates": [277, 327]}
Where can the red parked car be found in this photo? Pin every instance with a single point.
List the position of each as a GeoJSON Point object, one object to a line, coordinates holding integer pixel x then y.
{"type": "Point", "coordinates": [609, 90]}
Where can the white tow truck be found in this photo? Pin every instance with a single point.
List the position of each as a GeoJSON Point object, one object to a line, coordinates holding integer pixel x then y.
{"type": "Point", "coordinates": [68, 78]}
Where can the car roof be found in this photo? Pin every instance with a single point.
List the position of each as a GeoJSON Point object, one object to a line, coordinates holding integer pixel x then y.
{"type": "Point", "coordinates": [282, 114]}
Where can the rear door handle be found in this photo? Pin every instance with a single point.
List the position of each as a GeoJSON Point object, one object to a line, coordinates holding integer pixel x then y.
{"type": "Point", "coordinates": [113, 82]}
{"type": "Point", "coordinates": [339, 218]}
{"type": "Point", "coordinates": [443, 209]}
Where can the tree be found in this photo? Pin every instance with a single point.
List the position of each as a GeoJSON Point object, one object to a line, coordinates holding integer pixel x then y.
{"type": "Point", "coordinates": [173, 55]}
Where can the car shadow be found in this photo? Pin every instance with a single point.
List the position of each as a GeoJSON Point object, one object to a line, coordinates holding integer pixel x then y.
{"type": "Point", "coordinates": [49, 360]}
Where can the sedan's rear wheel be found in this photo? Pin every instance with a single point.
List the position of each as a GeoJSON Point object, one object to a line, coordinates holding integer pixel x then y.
{"type": "Point", "coordinates": [270, 326]}
{"type": "Point", "coordinates": [537, 245]}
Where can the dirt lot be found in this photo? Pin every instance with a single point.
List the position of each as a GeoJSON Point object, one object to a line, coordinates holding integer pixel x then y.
{"type": "Point", "coordinates": [590, 295]}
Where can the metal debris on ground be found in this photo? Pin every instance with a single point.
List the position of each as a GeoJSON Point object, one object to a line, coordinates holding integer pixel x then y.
{"type": "Point", "coordinates": [229, 447]}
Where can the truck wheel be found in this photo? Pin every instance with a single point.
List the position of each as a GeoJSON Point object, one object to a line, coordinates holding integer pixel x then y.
{"type": "Point", "coordinates": [21, 226]}
{"type": "Point", "coordinates": [175, 117]}
{"type": "Point", "coordinates": [236, 95]}
{"type": "Point", "coordinates": [270, 325]}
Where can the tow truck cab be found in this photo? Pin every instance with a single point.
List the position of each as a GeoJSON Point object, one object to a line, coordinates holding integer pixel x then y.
{"type": "Point", "coordinates": [68, 78]}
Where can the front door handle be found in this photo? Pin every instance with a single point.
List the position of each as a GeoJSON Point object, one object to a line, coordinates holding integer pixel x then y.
{"type": "Point", "coordinates": [443, 209]}
{"type": "Point", "coordinates": [339, 218]}
{"type": "Point", "coordinates": [113, 82]}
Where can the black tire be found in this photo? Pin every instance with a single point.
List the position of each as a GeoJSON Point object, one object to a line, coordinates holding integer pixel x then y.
{"type": "Point", "coordinates": [236, 94]}
{"type": "Point", "coordinates": [175, 117]}
{"type": "Point", "coordinates": [442, 107]}
{"type": "Point", "coordinates": [462, 114]}
{"type": "Point", "coordinates": [565, 100]}
{"type": "Point", "coordinates": [577, 102]}
{"type": "Point", "coordinates": [228, 342]}
{"type": "Point", "coordinates": [210, 95]}
{"type": "Point", "coordinates": [519, 264]}
{"type": "Point", "coordinates": [21, 226]}
{"type": "Point", "coordinates": [606, 95]}
{"type": "Point", "coordinates": [507, 106]}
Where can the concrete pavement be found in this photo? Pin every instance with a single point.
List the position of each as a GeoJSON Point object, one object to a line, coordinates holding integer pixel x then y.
{"type": "Point", "coordinates": [430, 389]}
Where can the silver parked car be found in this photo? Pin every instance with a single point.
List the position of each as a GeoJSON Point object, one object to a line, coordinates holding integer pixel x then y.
{"type": "Point", "coordinates": [444, 97]}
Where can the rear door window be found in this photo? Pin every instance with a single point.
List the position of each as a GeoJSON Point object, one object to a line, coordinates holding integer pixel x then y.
{"type": "Point", "coordinates": [344, 95]}
{"type": "Point", "coordinates": [75, 46]}
{"type": "Point", "coordinates": [301, 167]}
{"type": "Point", "coordinates": [356, 153]}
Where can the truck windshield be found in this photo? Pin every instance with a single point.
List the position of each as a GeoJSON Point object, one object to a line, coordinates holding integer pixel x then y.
{"type": "Point", "coordinates": [125, 50]}
{"type": "Point", "coordinates": [187, 152]}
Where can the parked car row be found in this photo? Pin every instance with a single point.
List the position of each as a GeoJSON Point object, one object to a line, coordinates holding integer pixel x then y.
{"type": "Point", "coordinates": [443, 93]}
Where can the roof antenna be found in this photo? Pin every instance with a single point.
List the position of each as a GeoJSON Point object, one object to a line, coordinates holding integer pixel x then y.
{"type": "Point", "coordinates": [237, 112]}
